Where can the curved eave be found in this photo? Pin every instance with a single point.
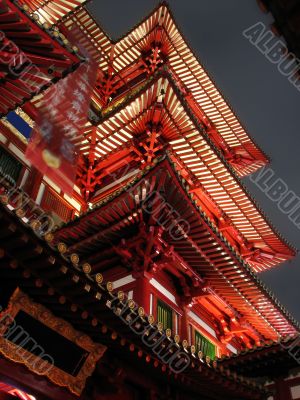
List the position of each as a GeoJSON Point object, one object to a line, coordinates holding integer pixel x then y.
{"type": "Point", "coordinates": [69, 281]}
{"type": "Point", "coordinates": [270, 347]}
{"type": "Point", "coordinates": [196, 151]}
{"type": "Point", "coordinates": [52, 11]}
{"type": "Point", "coordinates": [188, 69]}
{"type": "Point", "coordinates": [232, 279]}
{"type": "Point", "coordinates": [41, 48]}
{"type": "Point", "coordinates": [269, 357]}
{"type": "Point", "coordinates": [96, 41]}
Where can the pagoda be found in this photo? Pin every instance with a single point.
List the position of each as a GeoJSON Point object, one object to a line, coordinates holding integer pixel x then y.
{"type": "Point", "coordinates": [144, 284]}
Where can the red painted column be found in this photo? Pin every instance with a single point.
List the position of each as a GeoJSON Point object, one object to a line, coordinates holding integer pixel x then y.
{"type": "Point", "coordinates": [141, 292]}
{"type": "Point", "coordinates": [33, 183]}
{"type": "Point", "coordinates": [183, 326]}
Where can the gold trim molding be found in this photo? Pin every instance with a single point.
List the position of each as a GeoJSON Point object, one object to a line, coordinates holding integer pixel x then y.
{"type": "Point", "coordinates": [25, 116]}
{"type": "Point", "coordinates": [14, 130]}
{"type": "Point", "coordinates": [75, 384]}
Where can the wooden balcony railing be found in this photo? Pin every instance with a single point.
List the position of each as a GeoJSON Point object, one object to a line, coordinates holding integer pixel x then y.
{"type": "Point", "coordinates": [9, 165]}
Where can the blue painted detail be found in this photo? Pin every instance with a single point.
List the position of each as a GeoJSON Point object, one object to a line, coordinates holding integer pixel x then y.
{"type": "Point", "coordinates": [19, 123]}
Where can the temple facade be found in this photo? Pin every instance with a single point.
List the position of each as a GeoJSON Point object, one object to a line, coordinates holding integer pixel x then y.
{"type": "Point", "coordinates": [144, 283]}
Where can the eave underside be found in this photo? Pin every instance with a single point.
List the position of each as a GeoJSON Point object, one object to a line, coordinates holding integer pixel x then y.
{"type": "Point", "coordinates": [52, 11]}
{"type": "Point", "coordinates": [32, 49]}
{"type": "Point", "coordinates": [50, 279]}
{"type": "Point", "coordinates": [122, 128]}
{"type": "Point", "coordinates": [203, 248]}
{"type": "Point", "coordinates": [272, 360]}
{"type": "Point", "coordinates": [126, 52]}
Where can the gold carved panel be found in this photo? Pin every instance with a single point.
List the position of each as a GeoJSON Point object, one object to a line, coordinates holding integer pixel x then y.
{"type": "Point", "coordinates": [43, 364]}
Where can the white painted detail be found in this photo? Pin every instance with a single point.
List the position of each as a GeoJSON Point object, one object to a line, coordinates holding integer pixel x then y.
{"type": "Point", "coordinates": [123, 281]}
{"type": "Point", "coordinates": [73, 202]}
{"type": "Point", "coordinates": [232, 349]}
{"type": "Point", "coordinates": [52, 184]}
{"type": "Point", "coordinates": [163, 290]}
{"type": "Point", "coordinates": [117, 181]}
{"type": "Point", "coordinates": [3, 139]}
{"type": "Point", "coordinates": [130, 294]}
{"type": "Point", "coordinates": [295, 391]}
{"type": "Point", "coordinates": [77, 190]}
{"type": "Point", "coordinates": [24, 179]}
{"type": "Point", "coordinates": [40, 194]}
{"type": "Point", "coordinates": [200, 321]}
{"type": "Point", "coordinates": [19, 153]}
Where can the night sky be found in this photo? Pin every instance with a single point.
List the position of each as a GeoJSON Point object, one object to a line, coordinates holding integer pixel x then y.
{"type": "Point", "coordinates": [265, 101]}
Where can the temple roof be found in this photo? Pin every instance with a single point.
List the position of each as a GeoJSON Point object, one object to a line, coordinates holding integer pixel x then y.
{"type": "Point", "coordinates": [120, 127]}
{"type": "Point", "coordinates": [59, 282]}
{"type": "Point", "coordinates": [271, 359]}
{"type": "Point", "coordinates": [202, 247]}
{"type": "Point", "coordinates": [118, 55]}
{"type": "Point", "coordinates": [51, 11]}
{"type": "Point", "coordinates": [40, 56]}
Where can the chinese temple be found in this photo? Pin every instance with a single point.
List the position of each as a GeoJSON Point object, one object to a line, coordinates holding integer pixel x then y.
{"type": "Point", "coordinates": [143, 282]}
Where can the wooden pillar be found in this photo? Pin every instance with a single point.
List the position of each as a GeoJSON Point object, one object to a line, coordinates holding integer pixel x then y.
{"type": "Point", "coordinates": [33, 183]}
{"type": "Point", "coordinates": [141, 292]}
{"type": "Point", "coordinates": [183, 326]}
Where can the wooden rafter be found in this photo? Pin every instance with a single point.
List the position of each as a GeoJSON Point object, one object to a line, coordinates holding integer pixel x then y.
{"type": "Point", "coordinates": [51, 11]}
{"type": "Point", "coordinates": [157, 41]}
{"type": "Point", "coordinates": [212, 182]}
{"type": "Point", "coordinates": [39, 56]}
{"type": "Point", "coordinates": [203, 249]}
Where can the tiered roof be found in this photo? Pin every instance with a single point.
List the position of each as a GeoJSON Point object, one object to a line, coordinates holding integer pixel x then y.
{"type": "Point", "coordinates": [40, 56]}
{"type": "Point", "coordinates": [125, 53]}
{"type": "Point", "coordinates": [200, 138]}
{"type": "Point", "coordinates": [152, 97]}
{"type": "Point", "coordinates": [213, 180]}
{"type": "Point", "coordinates": [64, 285]}
{"type": "Point", "coordinates": [203, 248]}
{"type": "Point", "coordinates": [194, 120]}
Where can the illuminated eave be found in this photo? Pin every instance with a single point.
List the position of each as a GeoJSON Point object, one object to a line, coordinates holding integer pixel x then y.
{"type": "Point", "coordinates": [193, 147]}
{"type": "Point", "coordinates": [78, 283]}
{"type": "Point", "coordinates": [222, 268]}
{"type": "Point", "coordinates": [184, 65]}
{"type": "Point", "coordinates": [41, 47]}
{"type": "Point", "coordinates": [51, 11]}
